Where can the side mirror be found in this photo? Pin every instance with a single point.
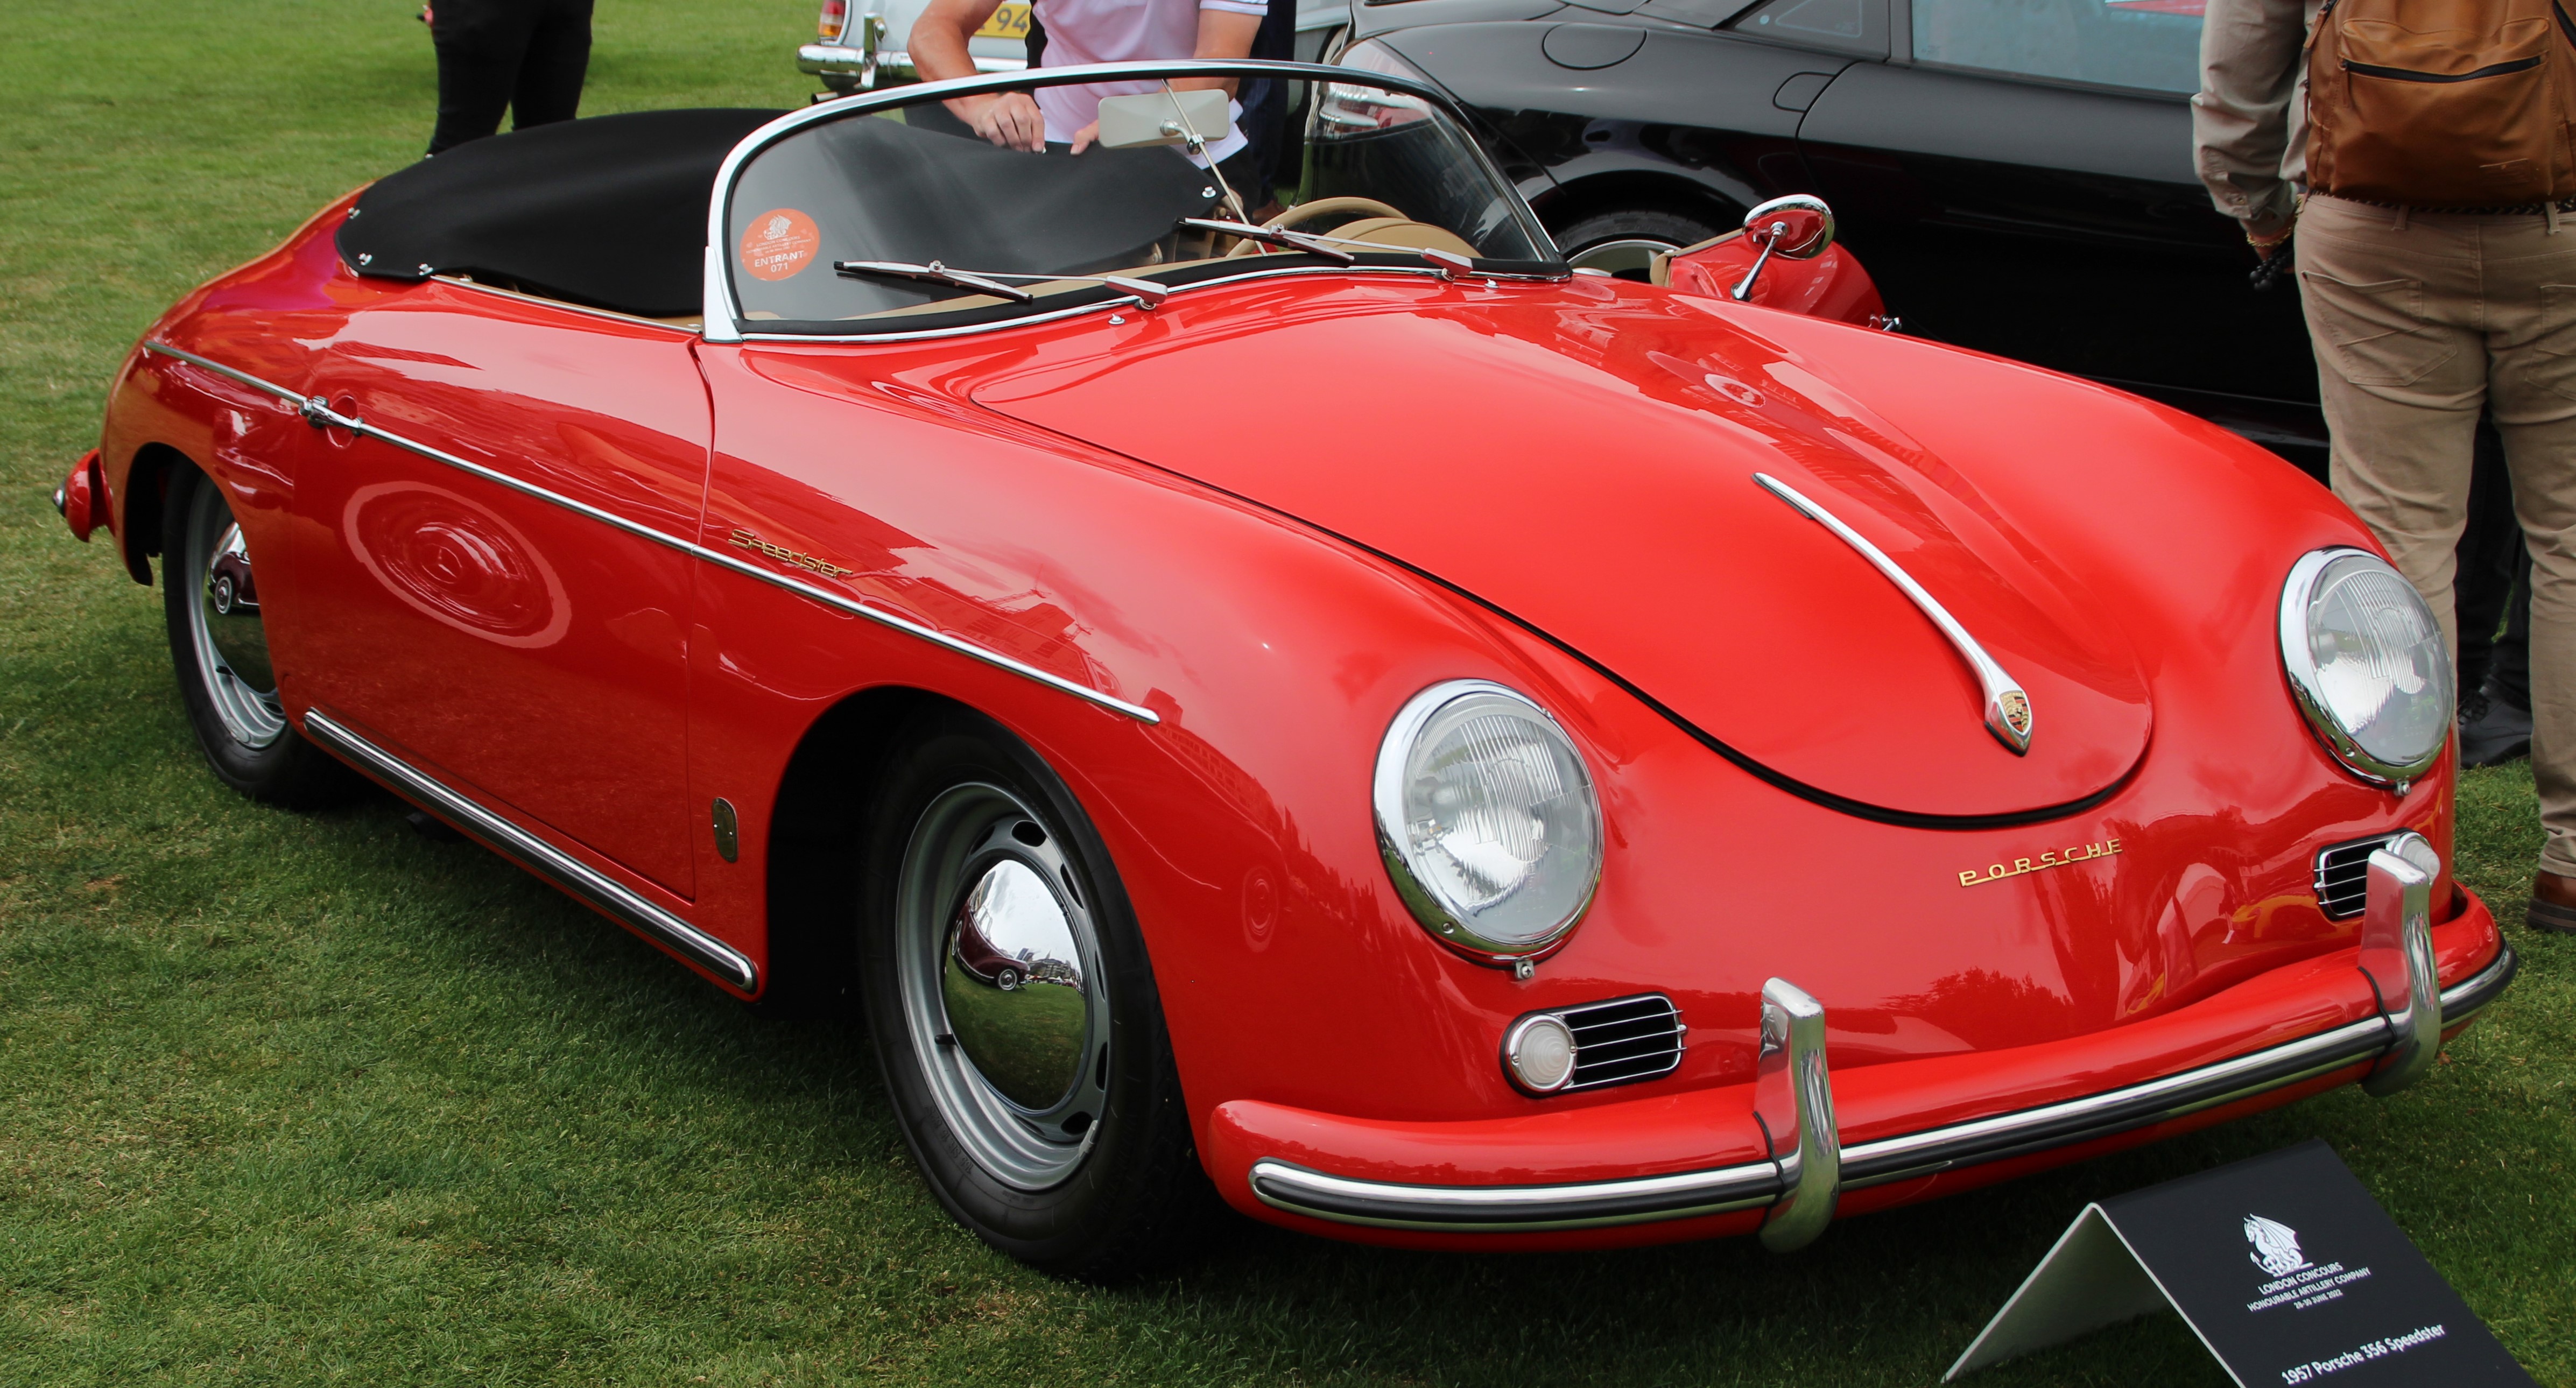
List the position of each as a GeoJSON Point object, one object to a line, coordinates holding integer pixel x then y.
{"type": "Point", "coordinates": [1163, 118]}
{"type": "Point", "coordinates": [1797, 226]}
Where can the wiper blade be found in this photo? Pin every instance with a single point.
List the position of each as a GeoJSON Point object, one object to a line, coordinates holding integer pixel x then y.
{"type": "Point", "coordinates": [1274, 236]}
{"type": "Point", "coordinates": [934, 273]}
{"type": "Point", "coordinates": [1146, 292]}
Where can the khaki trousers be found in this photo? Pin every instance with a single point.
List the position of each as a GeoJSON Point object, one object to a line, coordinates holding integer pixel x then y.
{"type": "Point", "coordinates": [2419, 320]}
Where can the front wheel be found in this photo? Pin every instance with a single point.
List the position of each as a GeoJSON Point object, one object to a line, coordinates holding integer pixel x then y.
{"type": "Point", "coordinates": [1014, 1011]}
{"type": "Point", "coordinates": [219, 648]}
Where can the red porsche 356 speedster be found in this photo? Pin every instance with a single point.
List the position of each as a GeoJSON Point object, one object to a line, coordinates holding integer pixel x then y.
{"type": "Point", "coordinates": [1326, 707]}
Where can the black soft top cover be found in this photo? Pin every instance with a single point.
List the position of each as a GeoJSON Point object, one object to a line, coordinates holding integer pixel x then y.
{"type": "Point", "coordinates": [610, 211]}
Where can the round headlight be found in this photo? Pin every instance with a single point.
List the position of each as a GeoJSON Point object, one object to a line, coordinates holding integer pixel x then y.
{"type": "Point", "coordinates": [2367, 663]}
{"type": "Point", "coordinates": [1487, 820]}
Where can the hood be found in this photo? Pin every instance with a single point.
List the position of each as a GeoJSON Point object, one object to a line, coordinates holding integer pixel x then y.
{"type": "Point", "coordinates": [1583, 457]}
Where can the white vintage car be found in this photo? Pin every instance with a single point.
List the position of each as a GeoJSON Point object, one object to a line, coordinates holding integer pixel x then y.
{"type": "Point", "coordinates": [861, 44]}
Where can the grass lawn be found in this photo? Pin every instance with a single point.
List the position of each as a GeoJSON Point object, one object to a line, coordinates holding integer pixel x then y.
{"type": "Point", "coordinates": [313, 1099]}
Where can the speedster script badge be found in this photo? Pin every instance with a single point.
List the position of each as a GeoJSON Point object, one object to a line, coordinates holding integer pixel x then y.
{"type": "Point", "coordinates": [747, 540]}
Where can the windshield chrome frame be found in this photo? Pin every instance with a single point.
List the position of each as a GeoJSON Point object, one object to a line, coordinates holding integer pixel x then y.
{"type": "Point", "coordinates": [723, 321]}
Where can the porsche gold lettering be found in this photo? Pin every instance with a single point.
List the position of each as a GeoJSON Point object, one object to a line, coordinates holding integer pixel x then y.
{"type": "Point", "coordinates": [744, 539]}
{"type": "Point", "coordinates": [2049, 858]}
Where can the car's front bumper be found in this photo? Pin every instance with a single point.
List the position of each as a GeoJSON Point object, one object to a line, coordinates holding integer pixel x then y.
{"type": "Point", "coordinates": [1697, 1164]}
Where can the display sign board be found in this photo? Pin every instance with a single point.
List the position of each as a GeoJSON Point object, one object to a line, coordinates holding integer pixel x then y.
{"type": "Point", "coordinates": [2283, 1266]}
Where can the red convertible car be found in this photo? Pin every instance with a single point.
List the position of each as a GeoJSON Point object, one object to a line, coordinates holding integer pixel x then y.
{"type": "Point", "coordinates": [1449, 751]}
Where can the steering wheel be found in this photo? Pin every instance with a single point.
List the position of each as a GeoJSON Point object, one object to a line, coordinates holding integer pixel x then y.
{"type": "Point", "coordinates": [1320, 207]}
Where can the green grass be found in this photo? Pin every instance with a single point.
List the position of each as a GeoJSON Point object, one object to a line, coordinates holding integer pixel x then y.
{"type": "Point", "coordinates": [296, 1099]}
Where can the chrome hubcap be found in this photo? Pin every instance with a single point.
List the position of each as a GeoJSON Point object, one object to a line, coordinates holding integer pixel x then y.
{"type": "Point", "coordinates": [1629, 259]}
{"type": "Point", "coordinates": [224, 623]}
{"type": "Point", "coordinates": [999, 968]}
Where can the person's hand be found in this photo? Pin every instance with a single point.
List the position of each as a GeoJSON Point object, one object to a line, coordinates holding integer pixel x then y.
{"type": "Point", "coordinates": [1082, 138]}
{"type": "Point", "coordinates": [1010, 120]}
{"type": "Point", "coordinates": [429, 16]}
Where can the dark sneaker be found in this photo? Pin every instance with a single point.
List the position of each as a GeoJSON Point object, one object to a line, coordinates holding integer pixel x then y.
{"type": "Point", "coordinates": [2492, 731]}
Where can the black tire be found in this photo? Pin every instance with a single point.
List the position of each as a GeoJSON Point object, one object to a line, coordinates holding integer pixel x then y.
{"type": "Point", "coordinates": [234, 712]}
{"type": "Point", "coordinates": [1620, 239]}
{"type": "Point", "coordinates": [1130, 1196]}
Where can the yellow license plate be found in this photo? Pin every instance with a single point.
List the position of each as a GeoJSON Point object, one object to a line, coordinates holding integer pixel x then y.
{"type": "Point", "coordinates": [1010, 21]}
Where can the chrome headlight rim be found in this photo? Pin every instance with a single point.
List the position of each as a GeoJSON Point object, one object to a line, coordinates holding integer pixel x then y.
{"type": "Point", "coordinates": [2298, 662]}
{"type": "Point", "coordinates": [1387, 803]}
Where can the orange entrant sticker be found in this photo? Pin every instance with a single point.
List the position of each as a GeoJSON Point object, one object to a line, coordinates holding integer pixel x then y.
{"type": "Point", "coordinates": [781, 242]}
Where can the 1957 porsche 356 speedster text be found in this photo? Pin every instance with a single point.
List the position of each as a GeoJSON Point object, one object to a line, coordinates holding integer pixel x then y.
{"type": "Point", "coordinates": [1329, 708]}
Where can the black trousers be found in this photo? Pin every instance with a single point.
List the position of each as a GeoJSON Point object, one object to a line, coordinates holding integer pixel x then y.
{"type": "Point", "coordinates": [526, 55]}
{"type": "Point", "coordinates": [2494, 583]}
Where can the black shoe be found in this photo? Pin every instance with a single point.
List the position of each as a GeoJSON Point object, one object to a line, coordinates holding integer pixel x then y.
{"type": "Point", "coordinates": [2492, 732]}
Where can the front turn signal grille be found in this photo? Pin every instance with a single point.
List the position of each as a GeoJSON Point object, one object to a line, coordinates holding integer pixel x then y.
{"type": "Point", "coordinates": [2343, 875]}
{"type": "Point", "coordinates": [1623, 1040]}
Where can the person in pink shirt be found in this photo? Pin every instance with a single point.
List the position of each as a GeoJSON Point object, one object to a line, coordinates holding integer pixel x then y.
{"type": "Point", "coordinates": [1086, 31]}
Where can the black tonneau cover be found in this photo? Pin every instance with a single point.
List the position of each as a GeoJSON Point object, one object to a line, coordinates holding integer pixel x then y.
{"type": "Point", "coordinates": [610, 211]}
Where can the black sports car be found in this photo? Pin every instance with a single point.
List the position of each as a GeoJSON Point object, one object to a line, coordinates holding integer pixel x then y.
{"type": "Point", "coordinates": [2017, 174]}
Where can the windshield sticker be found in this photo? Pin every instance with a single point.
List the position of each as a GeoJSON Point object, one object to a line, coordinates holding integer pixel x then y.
{"type": "Point", "coordinates": [781, 242]}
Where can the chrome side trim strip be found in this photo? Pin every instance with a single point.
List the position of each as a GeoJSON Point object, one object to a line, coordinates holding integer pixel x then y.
{"type": "Point", "coordinates": [220, 369]}
{"type": "Point", "coordinates": [537, 855]}
{"type": "Point", "coordinates": [2008, 712]}
{"type": "Point", "coordinates": [1507, 1209]}
{"type": "Point", "coordinates": [319, 414]}
{"type": "Point", "coordinates": [1501, 1209]}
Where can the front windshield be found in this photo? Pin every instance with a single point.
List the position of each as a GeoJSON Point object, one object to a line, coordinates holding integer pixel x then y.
{"type": "Point", "coordinates": [900, 219]}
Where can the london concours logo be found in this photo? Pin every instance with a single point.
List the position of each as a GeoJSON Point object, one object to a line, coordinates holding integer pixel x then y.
{"type": "Point", "coordinates": [2294, 1280]}
{"type": "Point", "coordinates": [2276, 1246]}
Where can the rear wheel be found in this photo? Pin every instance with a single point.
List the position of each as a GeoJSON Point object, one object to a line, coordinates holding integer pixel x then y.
{"type": "Point", "coordinates": [1014, 1011]}
{"type": "Point", "coordinates": [1625, 242]}
{"type": "Point", "coordinates": [219, 648]}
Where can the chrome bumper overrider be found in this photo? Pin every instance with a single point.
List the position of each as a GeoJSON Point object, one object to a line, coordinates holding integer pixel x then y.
{"type": "Point", "coordinates": [2403, 1036]}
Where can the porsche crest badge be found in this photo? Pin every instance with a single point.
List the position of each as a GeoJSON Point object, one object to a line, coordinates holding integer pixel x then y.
{"type": "Point", "coordinates": [2017, 711]}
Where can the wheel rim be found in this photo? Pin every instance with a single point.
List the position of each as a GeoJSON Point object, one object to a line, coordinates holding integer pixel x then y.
{"type": "Point", "coordinates": [999, 966]}
{"type": "Point", "coordinates": [224, 624]}
{"type": "Point", "coordinates": [1628, 258]}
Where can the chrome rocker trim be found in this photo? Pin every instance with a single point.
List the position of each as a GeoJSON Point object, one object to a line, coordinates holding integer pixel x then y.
{"type": "Point", "coordinates": [318, 413]}
{"type": "Point", "coordinates": [2394, 1037]}
{"type": "Point", "coordinates": [537, 855]}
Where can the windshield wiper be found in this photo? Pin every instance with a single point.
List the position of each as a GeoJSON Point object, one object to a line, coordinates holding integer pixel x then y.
{"type": "Point", "coordinates": [935, 273]}
{"type": "Point", "coordinates": [1274, 236]}
{"type": "Point", "coordinates": [1145, 292]}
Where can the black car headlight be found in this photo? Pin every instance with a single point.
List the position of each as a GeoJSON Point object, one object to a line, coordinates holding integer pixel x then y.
{"type": "Point", "coordinates": [1488, 821]}
{"type": "Point", "coordinates": [2366, 663]}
